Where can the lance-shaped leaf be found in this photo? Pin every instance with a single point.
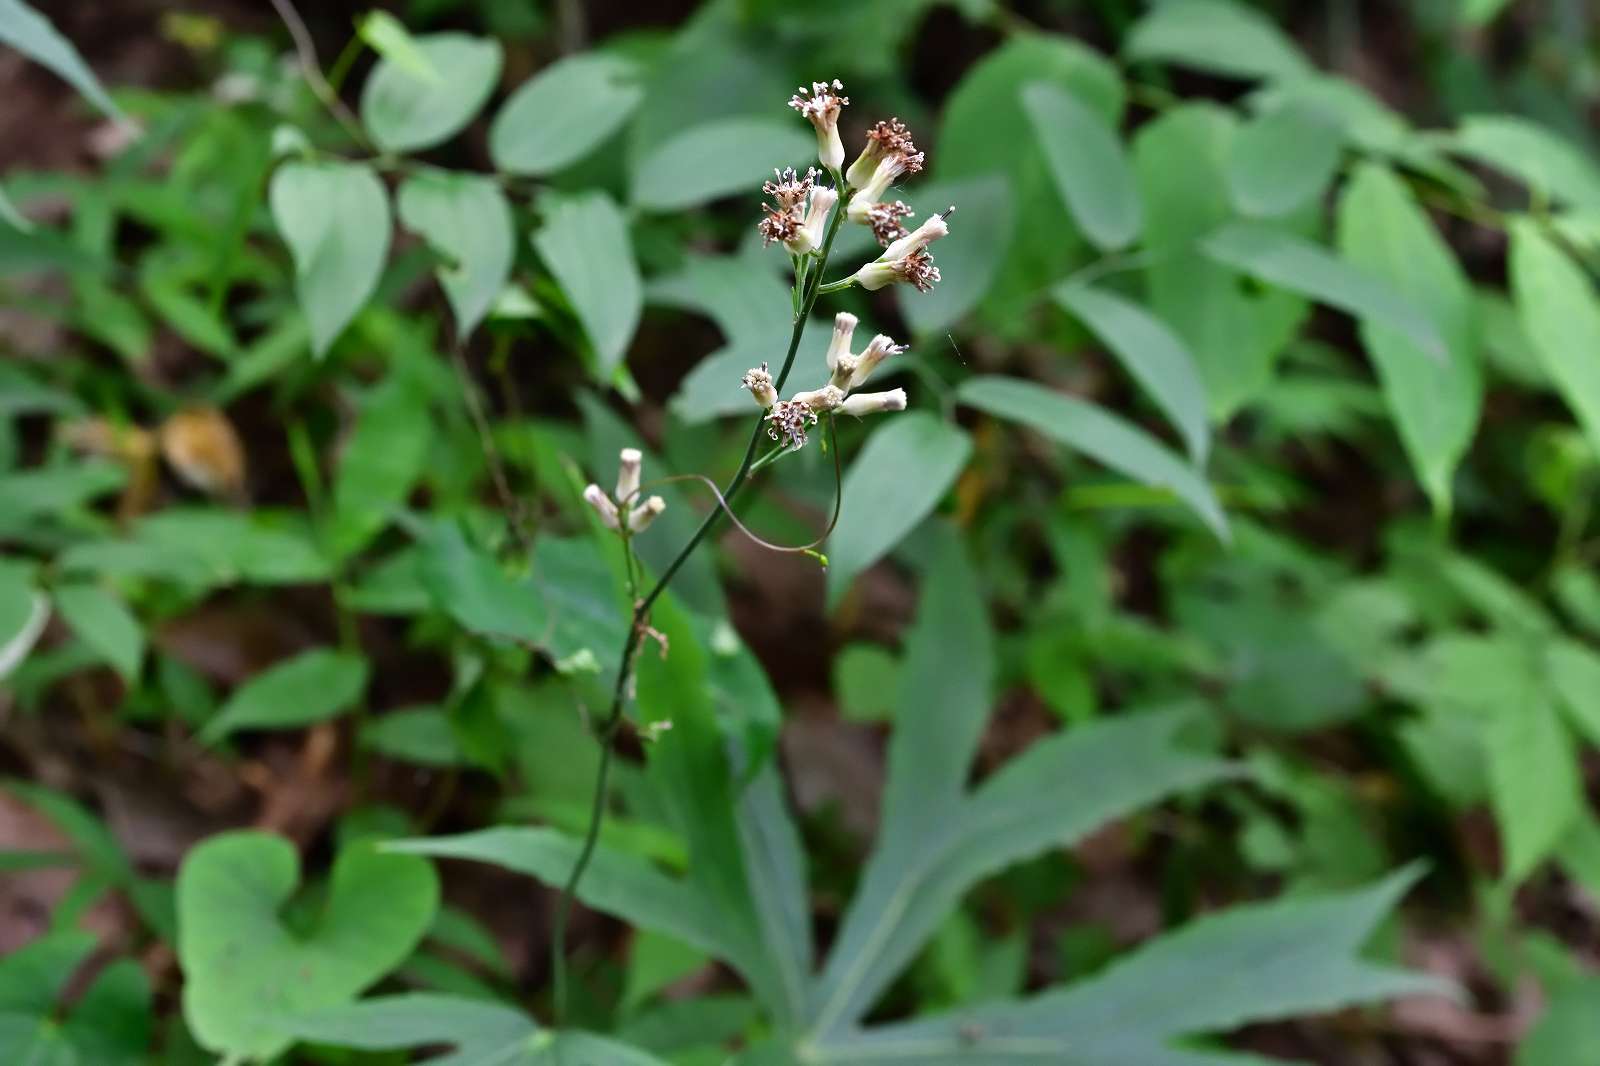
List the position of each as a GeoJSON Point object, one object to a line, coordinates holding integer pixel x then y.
{"type": "Point", "coordinates": [1561, 316]}
{"type": "Point", "coordinates": [426, 89]}
{"type": "Point", "coordinates": [1217, 36]}
{"type": "Point", "coordinates": [937, 841]}
{"type": "Point", "coordinates": [32, 34]}
{"type": "Point", "coordinates": [562, 113]}
{"type": "Point", "coordinates": [1279, 258]}
{"type": "Point", "coordinates": [1541, 159]}
{"type": "Point", "coordinates": [1251, 964]}
{"type": "Point", "coordinates": [585, 244]}
{"type": "Point", "coordinates": [1435, 404]}
{"type": "Point", "coordinates": [1088, 163]}
{"type": "Point", "coordinates": [465, 218]}
{"type": "Point", "coordinates": [482, 1033]}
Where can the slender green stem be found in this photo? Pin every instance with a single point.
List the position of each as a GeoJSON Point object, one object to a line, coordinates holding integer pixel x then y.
{"type": "Point", "coordinates": [809, 287]}
{"type": "Point", "coordinates": [837, 286]}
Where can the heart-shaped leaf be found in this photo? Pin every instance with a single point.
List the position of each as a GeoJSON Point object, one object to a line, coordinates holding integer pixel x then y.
{"type": "Point", "coordinates": [247, 970]}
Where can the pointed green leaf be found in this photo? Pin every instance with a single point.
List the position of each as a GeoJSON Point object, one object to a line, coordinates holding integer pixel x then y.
{"type": "Point", "coordinates": [1560, 313]}
{"type": "Point", "coordinates": [465, 218]}
{"type": "Point", "coordinates": [900, 475]}
{"type": "Point", "coordinates": [1087, 161]}
{"type": "Point", "coordinates": [1534, 784]}
{"type": "Point", "coordinates": [585, 244]}
{"type": "Point", "coordinates": [24, 610]}
{"type": "Point", "coordinates": [406, 109]}
{"type": "Point", "coordinates": [31, 33]}
{"type": "Point", "coordinates": [1279, 258]}
{"type": "Point", "coordinates": [1100, 435]}
{"type": "Point", "coordinates": [1538, 157]}
{"type": "Point", "coordinates": [1216, 36]}
{"type": "Point", "coordinates": [1383, 230]}
{"type": "Point", "coordinates": [311, 687]}
{"type": "Point", "coordinates": [389, 37]}
{"type": "Point", "coordinates": [1283, 159]}
{"type": "Point", "coordinates": [565, 111]}
{"type": "Point", "coordinates": [1150, 351]}
{"type": "Point", "coordinates": [717, 159]}
{"type": "Point", "coordinates": [379, 463]}
{"type": "Point", "coordinates": [335, 219]}
{"type": "Point", "coordinates": [103, 622]}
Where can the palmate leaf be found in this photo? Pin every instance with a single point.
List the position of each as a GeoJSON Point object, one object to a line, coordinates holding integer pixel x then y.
{"type": "Point", "coordinates": [1249, 964]}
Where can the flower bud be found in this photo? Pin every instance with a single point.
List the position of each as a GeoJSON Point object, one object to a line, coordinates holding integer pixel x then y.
{"type": "Point", "coordinates": [628, 474]}
{"type": "Point", "coordinates": [844, 327]}
{"type": "Point", "coordinates": [596, 497]}
{"type": "Point", "coordinates": [872, 403]}
{"type": "Point", "coordinates": [844, 371]}
{"type": "Point", "coordinates": [822, 108]}
{"type": "Point", "coordinates": [759, 382]}
{"type": "Point", "coordinates": [879, 349]}
{"type": "Point", "coordinates": [640, 517]}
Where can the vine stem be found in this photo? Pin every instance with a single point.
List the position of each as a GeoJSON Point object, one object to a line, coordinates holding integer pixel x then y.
{"type": "Point", "coordinates": [810, 287]}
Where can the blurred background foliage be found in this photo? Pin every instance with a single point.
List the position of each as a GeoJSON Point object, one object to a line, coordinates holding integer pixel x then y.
{"type": "Point", "coordinates": [1261, 383]}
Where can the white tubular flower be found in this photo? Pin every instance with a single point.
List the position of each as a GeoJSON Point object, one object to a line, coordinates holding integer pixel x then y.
{"type": "Point", "coordinates": [809, 236]}
{"type": "Point", "coordinates": [628, 473]}
{"type": "Point", "coordinates": [898, 156]}
{"type": "Point", "coordinates": [916, 268]}
{"type": "Point", "coordinates": [640, 517]}
{"type": "Point", "coordinates": [872, 403]}
{"type": "Point", "coordinates": [844, 327]}
{"type": "Point", "coordinates": [879, 349]}
{"type": "Point", "coordinates": [919, 238]}
{"type": "Point", "coordinates": [759, 382]}
{"type": "Point", "coordinates": [827, 398]}
{"type": "Point", "coordinates": [883, 138]}
{"type": "Point", "coordinates": [596, 497]}
{"type": "Point", "coordinates": [822, 108]}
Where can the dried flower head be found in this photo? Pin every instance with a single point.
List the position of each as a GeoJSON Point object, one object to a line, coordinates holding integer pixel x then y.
{"type": "Point", "coordinates": [884, 218]}
{"type": "Point", "coordinates": [778, 226]}
{"type": "Point", "coordinates": [759, 381]}
{"type": "Point", "coordinates": [916, 269]}
{"type": "Point", "coordinates": [888, 136]}
{"type": "Point", "coordinates": [787, 421]}
{"type": "Point", "coordinates": [791, 188]}
{"type": "Point", "coordinates": [822, 107]}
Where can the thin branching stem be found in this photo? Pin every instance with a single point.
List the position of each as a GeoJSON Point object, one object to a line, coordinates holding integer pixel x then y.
{"type": "Point", "coordinates": [809, 288]}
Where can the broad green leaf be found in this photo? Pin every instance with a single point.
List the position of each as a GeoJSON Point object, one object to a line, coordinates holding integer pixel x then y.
{"type": "Point", "coordinates": [206, 547]}
{"type": "Point", "coordinates": [984, 130]}
{"type": "Point", "coordinates": [1561, 315]}
{"type": "Point", "coordinates": [24, 610]}
{"type": "Point", "coordinates": [1216, 36]}
{"type": "Point", "coordinates": [1536, 156]}
{"type": "Point", "coordinates": [969, 259]}
{"type": "Point", "coordinates": [616, 882]}
{"type": "Point", "coordinates": [247, 973]}
{"type": "Point", "coordinates": [1568, 1033]}
{"type": "Point", "coordinates": [1481, 13]}
{"type": "Point", "coordinates": [1100, 435]}
{"type": "Point", "coordinates": [717, 159]}
{"type": "Point", "coordinates": [565, 111]}
{"type": "Point", "coordinates": [585, 244]}
{"type": "Point", "coordinates": [47, 490]}
{"type": "Point", "coordinates": [1384, 231]}
{"type": "Point", "coordinates": [1534, 785]}
{"type": "Point", "coordinates": [1060, 790]}
{"type": "Point", "coordinates": [379, 463]}
{"type": "Point", "coordinates": [420, 735]}
{"type": "Point", "coordinates": [1279, 258]}
{"type": "Point", "coordinates": [389, 37]}
{"type": "Point", "coordinates": [865, 677]}
{"type": "Point", "coordinates": [406, 109]}
{"type": "Point", "coordinates": [468, 584]}
{"type": "Point", "coordinates": [108, 1024]}
{"type": "Point", "coordinates": [311, 687]}
{"type": "Point", "coordinates": [1086, 159]}
{"type": "Point", "coordinates": [481, 1033]}
{"type": "Point", "coordinates": [465, 218]}
{"type": "Point", "coordinates": [103, 621]}
{"type": "Point", "coordinates": [31, 33]}
{"type": "Point", "coordinates": [1282, 159]}
{"type": "Point", "coordinates": [1150, 351]}
{"type": "Point", "coordinates": [1574, 674]}
{"type": "Point", "coordinates": [1235, 331]}
{"type": "Point", "coordinates": [1294, 956]}
{"type": "Point", "coordinates": [335, 219]}
{"type": "Point", "coordinates": [900, 475]}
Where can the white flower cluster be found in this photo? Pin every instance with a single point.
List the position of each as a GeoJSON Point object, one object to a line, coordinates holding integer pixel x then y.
{"type": "Point", "coordinates": [788, 420]}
